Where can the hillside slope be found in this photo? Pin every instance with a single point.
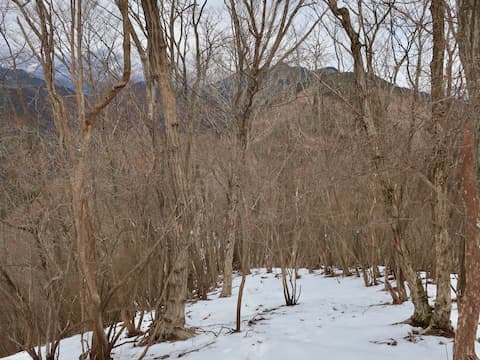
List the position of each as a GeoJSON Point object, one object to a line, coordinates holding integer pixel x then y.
{"type": "Point", "coordinates": [337, 318]}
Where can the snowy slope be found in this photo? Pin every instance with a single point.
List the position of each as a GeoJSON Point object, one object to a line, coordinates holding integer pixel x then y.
{"type": "Point", "coordinates": [337, 318]}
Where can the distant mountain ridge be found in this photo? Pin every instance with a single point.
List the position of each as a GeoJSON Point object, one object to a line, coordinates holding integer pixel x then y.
{"type": "Point", "coordinates": [24, 94]}
{"type": "Point", "coordinates": [14, 78]}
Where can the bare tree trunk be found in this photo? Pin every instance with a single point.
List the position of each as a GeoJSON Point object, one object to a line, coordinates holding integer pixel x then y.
{"type": "Point", "coordinates": [441, 315]}
{"type": "Point", "coordinates": [86, 248]}
{"type": "Point", "coordinates": [174, 315]}
{"type": "Point", "coordinates": [239, 302]}
{"type": "Point", "coordinates": [388, 287]}
{"type": "Point", "coordinates": [171, 321]}
{"type": "Point", "coordinates": [469, 301]}
{"type": "Point", "coordinates": [231, 233]}
{"type": "Point", "coordinates": [422, 312]}
{"type": "Point", "coordinates": [402, 292]}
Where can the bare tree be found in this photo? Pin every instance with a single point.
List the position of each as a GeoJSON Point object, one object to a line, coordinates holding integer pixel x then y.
{"type": "Point", "coordinates": [441, 316]}
{"type": "Point", "coordinates": [468, 37]}
{"type": "Point", "coordinates": [170, 321]}
{"type": "Point", "coordinates": [260, 40]}
{"type": "Point", "coordinates": [45, 32]}
{"type": "Point", "coordinates": [390, 191]}
{"type": "Point", "coordinates": [260, 35]}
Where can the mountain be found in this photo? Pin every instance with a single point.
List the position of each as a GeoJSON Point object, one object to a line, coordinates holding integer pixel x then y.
{"type": "Point", "coordinates": [285, 82]}
{"type": "Point", "coordinates": [24, 97]}
{"type": "Point", "coordinates": [14, 78]}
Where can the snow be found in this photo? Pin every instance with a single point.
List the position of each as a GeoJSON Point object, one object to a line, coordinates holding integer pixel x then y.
{"type": "Point", "coordinates": [337, 318]}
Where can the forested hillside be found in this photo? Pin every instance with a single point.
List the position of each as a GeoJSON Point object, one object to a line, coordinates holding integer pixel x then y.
{"type": "Point", "coordinates": [204, 140]}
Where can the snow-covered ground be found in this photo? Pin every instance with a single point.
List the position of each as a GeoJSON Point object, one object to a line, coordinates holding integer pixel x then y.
{"type": "Point", "coordinates": [337, 318]}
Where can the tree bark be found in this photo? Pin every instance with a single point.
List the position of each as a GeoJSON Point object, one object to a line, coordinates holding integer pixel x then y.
{"type": "Point", "coordinates": [469, 301]}
{"type": "Point", "coordinates": [443, 303]}
{"type": "Point", "coordinates": [170, 320]}
{"type": "Point", "coordinates": [231, 234]}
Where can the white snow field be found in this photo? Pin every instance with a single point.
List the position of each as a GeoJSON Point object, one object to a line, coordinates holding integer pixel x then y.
{"type": "Point", "coordinates": [337, 319]}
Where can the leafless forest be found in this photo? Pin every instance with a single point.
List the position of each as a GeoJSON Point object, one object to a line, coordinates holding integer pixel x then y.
{"type": "Point", "coordinates": [172, 143]}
